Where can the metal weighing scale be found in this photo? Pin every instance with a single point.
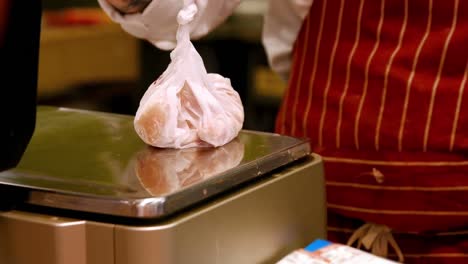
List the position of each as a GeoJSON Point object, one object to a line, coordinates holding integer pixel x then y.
{"type": "Point", "coordinates": [89, 191]}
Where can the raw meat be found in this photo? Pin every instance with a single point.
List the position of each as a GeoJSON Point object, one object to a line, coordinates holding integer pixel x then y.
{"type": "Point", "coordinates": [187, 107]}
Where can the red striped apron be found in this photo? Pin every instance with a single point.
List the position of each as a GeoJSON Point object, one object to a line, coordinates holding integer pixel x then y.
{"type": "Point", "coordinates": [380, 88]}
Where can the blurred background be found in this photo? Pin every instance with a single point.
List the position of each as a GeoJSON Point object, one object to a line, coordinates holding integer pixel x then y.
{"type": "Point", "coordinates": [88, 62]}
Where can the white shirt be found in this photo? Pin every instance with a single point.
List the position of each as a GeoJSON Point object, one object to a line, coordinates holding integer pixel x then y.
{"type": "Point", "coordinates": [157, 24]}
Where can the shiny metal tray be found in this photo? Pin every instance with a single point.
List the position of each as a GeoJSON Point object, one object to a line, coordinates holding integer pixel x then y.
{"type": "Point", "coordinates": [94, 162]}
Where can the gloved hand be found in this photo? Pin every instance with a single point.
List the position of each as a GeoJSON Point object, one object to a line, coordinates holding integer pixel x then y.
{"type": "Point", "coordinates": [156, 21]}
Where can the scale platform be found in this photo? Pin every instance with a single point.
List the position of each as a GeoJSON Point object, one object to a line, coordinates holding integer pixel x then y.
{"type": "Point", "coordinates": [92, 189]}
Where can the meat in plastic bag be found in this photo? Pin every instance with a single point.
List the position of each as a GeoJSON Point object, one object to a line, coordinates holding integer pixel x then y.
{"type": "Point", "coordinates": [186, 106]}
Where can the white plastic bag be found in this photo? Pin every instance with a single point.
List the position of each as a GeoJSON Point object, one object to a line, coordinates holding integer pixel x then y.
{"type": "Point", "coordinates": [187, 107]}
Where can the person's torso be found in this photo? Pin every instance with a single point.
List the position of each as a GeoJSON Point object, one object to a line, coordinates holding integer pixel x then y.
{"type": "Point", "coordinates": [380, 88]}
{"type": "Point", "coordinates": [381, 75]}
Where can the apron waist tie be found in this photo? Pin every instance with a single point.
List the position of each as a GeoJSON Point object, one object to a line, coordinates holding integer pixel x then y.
{"type": "Point", "coordinates": [376, 239]}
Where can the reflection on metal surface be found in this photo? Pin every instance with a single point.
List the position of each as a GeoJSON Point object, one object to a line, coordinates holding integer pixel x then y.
{"type": "Point", "coordinates": [163, 171]}
{"type": "Point", "coordinates": [94, 162]}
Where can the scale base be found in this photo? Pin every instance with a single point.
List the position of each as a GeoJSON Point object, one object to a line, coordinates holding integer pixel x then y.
{"type": "Point", "coordinates": [259, 223]}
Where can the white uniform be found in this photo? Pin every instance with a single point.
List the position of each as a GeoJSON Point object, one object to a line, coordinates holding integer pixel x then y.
{"type": "Point", "coordinates": [157, 23]}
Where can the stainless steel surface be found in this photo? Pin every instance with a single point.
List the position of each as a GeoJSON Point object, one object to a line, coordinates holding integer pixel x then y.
{"type": "Point", "coordinates": [94, 162]}
{"type": "Point", "coordinates": [28, 238]}
{"type": "Point", "coordinates": [257, 224]}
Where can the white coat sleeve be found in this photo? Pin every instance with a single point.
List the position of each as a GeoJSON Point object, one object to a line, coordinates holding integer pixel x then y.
{"type": "Point", "coordinates": [281, 27]}
{"type": "Point", "coordinates": [158, 24]}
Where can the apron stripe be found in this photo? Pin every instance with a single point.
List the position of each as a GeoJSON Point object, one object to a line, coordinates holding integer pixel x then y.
{"type": "Point", "coordinates": [299, 55]}
{"type": "Point", "coordinates": [411, 77]}
{"type": "Point", "coordinates": [348, 75]}
{"type": "Point", "coordinates": [387, 73]}
{"type": "Point", "coordinates": [397, 212]}
{"type": "Point", "coordinates": [439, 72]}
{"type": "Point", "coordinates": [366, 74]}
{"type": "Point", "coordinates": [397, 188]}
{"type": "Point", "coordinates": [330, 74]}
{"type": "Point", "coordinates": [457, 112]}
{"type": "Point", "coordinates": [298, 88]}
{"type": "Point", "coordinates": [311, 80]}
{"type": "Point", "coordinates": [350, 230]}
{"type": "Point", "coordinates": [396, 163]}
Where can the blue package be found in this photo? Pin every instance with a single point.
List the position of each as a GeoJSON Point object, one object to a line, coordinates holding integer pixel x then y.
{"type": "Point", "coordinates": [317, 244]}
